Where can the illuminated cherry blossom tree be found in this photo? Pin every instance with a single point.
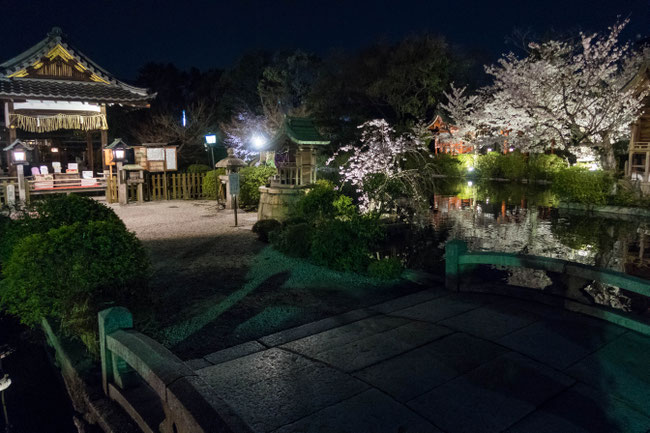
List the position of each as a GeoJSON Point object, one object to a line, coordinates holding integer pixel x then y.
{"type": "Point", "coordinates": [387, 166]}
{"type": "Point", "coordinates": [564, 94]}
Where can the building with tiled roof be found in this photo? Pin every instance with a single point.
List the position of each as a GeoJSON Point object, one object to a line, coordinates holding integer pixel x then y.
{"type": "Point", "coordinates": [55, 97]}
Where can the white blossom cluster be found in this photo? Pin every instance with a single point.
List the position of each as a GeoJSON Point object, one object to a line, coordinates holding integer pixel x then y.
{"type": "Point", "coordinates": [381, 152]}
{"type": "Point", "coordinates": [563, 94]}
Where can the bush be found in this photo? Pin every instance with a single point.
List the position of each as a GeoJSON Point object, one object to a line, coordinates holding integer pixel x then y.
{"type": "Point", "coordinates": [263, 228]}
{"type": "Point", "coordinates": [512, 165]}
{"type": "Point", "coordinates": [346, 245]}
{"type": "Point", "coordinates": [317, 204]}
{"type": "Point", "coordinates": [385, 269]}
{"type": "Point", "coordinates": [212, 186]}
{"type": "Point", "coordinates": [53, 212]}
{"type": "Point", "coordinates": [72, 272]}
{"type": "Point", "coordinates": [449, 166]}
{"type": "Point", "coordinates": [577, 184]}
{"type": "Point", "coordinates": [293, 240]}
{"type": "Point", "coordinates": [198, 168]}
{"type": "Point", "coordinates": [544, 167]}
{"type": "Point", "coordinates": [251, 180]}
{"type": "Point", "coordinates": [488, 165]}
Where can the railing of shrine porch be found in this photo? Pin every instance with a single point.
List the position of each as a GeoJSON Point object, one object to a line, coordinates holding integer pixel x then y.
{"type": "Point", "coordinates": [460, 263]}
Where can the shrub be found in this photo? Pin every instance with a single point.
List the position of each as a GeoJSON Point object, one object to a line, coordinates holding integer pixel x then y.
{"type": "Point", "coordinates": [61, 210]}
{"type": "Point", "coordinates": [346, 245]}
{"type": "Point", "coordinates": [53, 212]}
{"type": "Point", "coordinates": [317, 204]}
{"type": "Point", "coordinates": [542, 166]}
{"type": "Point", "coordinates": [293, 240]}
{"type": "Point", "coordinates": [512, 165]}
{"type": "Point", "coordinates": [198, 168]}
{"type": "Point", "coordinates": [251, 180]}
{"type": "Point", "coordinates": [71, 272]}
{"type": "Point", "coordinates": [212, 184]}
{"type": "Point", "coordinates": [447, 165]}
{"type": "Point", "coordinates": [264, 227]}
{"type": "Point", "coordinates": [385, 269]}
{"type": "Point", "coordinates": [488, 165]}
{"type": "Point", "coordinates": [577, 184]}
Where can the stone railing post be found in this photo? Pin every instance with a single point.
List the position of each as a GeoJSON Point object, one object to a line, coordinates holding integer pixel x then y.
{"type": "Point", "coordinates": [453, 250]}
{"type": "Point", "coordinates": [113, 368]}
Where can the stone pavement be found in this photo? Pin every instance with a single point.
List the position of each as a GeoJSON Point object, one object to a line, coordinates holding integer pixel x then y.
{"type": "Point", "coordinates": [438, 361]}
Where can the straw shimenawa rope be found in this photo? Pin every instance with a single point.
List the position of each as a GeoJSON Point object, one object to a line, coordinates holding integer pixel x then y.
{"type": "Point", "coordinates": [60, 121]}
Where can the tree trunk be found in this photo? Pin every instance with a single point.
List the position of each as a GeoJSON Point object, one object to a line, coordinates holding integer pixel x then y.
{"type": "Point", "coordinates": [608, 158]}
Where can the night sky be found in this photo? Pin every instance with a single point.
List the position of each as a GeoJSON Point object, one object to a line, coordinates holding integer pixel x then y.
{"type": "Point", "coordinates": [123, 35]}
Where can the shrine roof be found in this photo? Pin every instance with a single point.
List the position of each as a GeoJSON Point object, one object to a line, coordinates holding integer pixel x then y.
{"type": "Point", "coordinates": [25, 75]}
{"type": "Point", "coordinates": [298, 130]}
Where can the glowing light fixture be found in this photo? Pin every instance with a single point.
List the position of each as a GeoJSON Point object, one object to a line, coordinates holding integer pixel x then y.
{"type": "Point", "coordinates": [258, 141]}
{"type": "Point", "coordinates": [211, 139]}
{"type": "Point", "coordinates": [512, 149]}
{"type": "Point", "coordinates": [184, 119]}
{"type": "Point", "coordinates": [20, 156]}
{"type": "Point", "coordinates": [55, 150]}
{"type": "Point", "coordinates": [470, 169]}
{"type": "Point", "coordinates": [489, 149]}
{"type": "Point", "coordinates": [470, 183]}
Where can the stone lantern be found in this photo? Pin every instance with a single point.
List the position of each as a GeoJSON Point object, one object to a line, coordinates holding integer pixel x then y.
{"type": "Point", "coordinates": [232, 164]}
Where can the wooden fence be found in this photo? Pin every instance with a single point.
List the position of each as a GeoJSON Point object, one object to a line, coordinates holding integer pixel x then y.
{"type": "Point", "coordinates": [162, 186]}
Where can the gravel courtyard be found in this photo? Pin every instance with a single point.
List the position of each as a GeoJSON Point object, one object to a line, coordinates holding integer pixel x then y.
{"type": "Point", "coordinates": [216, 285]}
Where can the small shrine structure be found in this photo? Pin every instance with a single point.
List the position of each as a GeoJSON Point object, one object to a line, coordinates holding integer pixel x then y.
{"type": "Point", "coordinates": [296, 145]}
{"type": "Point", "coordinates": [54, 99]}
{"type": "Point", "coordinates": [638, 164]}
{"type": "Point", "coordinates": [444, 140]}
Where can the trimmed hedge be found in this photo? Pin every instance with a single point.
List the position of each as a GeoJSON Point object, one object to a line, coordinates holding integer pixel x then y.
{"type": "Point", "coordinates": [577, 184]}
{"type": "Point", "coordinates": [252, 178]}
{"type": "Point", "coordinates": [212, 184]}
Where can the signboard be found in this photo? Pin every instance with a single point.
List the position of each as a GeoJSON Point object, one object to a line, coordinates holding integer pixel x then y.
{"type": "Point", "coordinates": [156, 154]}
{"type": "Point", "coordinates": [233, 180]}
{"type": "Point", "coordinates": [170, 154]}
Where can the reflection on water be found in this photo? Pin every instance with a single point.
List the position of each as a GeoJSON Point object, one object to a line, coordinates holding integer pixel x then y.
{"type": "Point", "coordinates": [521, 219]}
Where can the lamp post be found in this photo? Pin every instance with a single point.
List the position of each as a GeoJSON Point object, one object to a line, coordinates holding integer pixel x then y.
{"type": "Point", "coordinates": [211, 142]}
{"type": "Point", "coordinates": [19, 157]}
{"type": "Point", "coordinates": [118, 149]}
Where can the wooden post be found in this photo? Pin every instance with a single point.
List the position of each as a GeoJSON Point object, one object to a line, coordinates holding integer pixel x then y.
{"type": "Point", "coordinates": [104, 138]}
{"type": "Point", "coordinates": [12, 128]}
{"type": "Point", "coordinates": [89, 149]}
{"type": "Point", "coordinates": [113, 369]}
{"type": "Point", "coordinates": [122, 191]}
{"type": "Point", "coordinates": [22, 195]}
{"type": "Point", "coordinates": [647, 167]}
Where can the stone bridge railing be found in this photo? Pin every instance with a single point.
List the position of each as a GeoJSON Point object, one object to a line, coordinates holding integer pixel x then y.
{"type": "Point", "coordinates": [459, 261]}
{"type": "Point", "coordinates": [158, 390]}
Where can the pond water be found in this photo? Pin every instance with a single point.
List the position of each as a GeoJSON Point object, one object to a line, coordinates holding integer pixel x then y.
{"type": "Point", "coordinates": [524, 219]}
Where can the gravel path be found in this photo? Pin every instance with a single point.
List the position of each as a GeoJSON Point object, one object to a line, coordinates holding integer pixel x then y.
{"type": "Point", "coordinates": [215, 285]}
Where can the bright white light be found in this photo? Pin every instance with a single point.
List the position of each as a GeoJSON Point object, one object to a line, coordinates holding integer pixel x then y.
{"type": "Point", "coordinates": [20, 155]}
{"type": "Point", "coordinates": [489, 149]}
{"type": "Point", "coordinates": [470, 183]}
{"type": "Point", "coordinates": [184, 119]}
{"type": "Point", "coordinates": [258, 141]}
{"type": "Point", "coordinates": [512, 149]}
{"type": "Point", "coordinates": [211, 139]}
{"type": "Point", "coordinates": [470, 169]}
{"type": "Point", "coordinates": [55, 150]}
{"type": "Point", "coordinates": [119, 154]}
{"type": "Point", "coordinates": [583, 252]}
